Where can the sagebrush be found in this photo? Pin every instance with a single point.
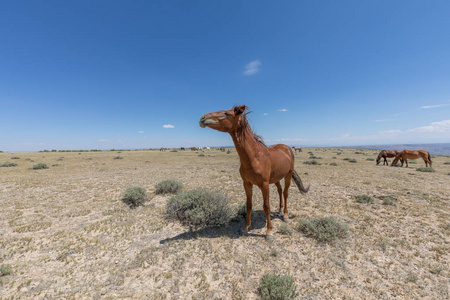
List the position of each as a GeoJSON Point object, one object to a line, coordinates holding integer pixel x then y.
{"type": "Point", "coordinates": [323, 229]}
{"type": "Point", "coordinates": [200, 208]}
{"type": "Point", "coordinates": [170, 186]}
{"type": "Point", "coordinates": [134, 196]}
{"type": "Point", "coordinates": [277, 287]}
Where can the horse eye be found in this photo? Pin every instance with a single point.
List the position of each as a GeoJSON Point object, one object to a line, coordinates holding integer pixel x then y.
{"type": "Point", "coordinates": [227, 114]}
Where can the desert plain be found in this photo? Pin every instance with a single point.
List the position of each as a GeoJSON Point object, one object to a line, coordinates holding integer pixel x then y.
{"type": "Point", "coordinates": [66, 234]}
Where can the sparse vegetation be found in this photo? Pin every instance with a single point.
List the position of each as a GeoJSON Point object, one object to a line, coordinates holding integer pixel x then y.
{"type": "Point", "coordinates": [425, 169]}
{"type": "Point", "coordinates": [134, 196]}
{"type": "Point", "coordinates": [285, 229]}
{"type": "Point", "coordinates": [333, 164]}
{"type": "Point", "coordinates": [71, 219]}
{"type": "Point", "coordinates": [40, 166]}
{"type": "Point", "coordinates": [200, 208]}
{"type": "Point", "coordinates": [277, 287]}
{"type": "Point", "coordinates": [323, 229]}
{"type": "Point", "coordinates": [8, 164]}
{"type": "Point", "coordinates": [311, 162]}
{"type": "Point", "coordinates": [365, 199]}
{"type": "Point", "coordinates": [5, 270]}
{"type": "Point", "coordinates": [170, 186]}
{"type": "Point", "coordinates": [118, 157]}
{"type": "Point", "coordinates": [15, 157]}
{"type": "Point", "coordinates": [389, 201]}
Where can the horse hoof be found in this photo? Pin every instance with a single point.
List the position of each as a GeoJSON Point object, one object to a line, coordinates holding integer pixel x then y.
{"type": "Point", "coordinates": [269, 238]}
{"type": "Point", "coordinates": [285, 219]}
{"type": "Point", "coordinates": [244, 231]}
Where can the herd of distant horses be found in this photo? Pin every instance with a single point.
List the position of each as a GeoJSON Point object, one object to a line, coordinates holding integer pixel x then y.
{"type": "Point", "coordinates": [262, 165]}
{"type": "Point", "coordinates": [403, 156]}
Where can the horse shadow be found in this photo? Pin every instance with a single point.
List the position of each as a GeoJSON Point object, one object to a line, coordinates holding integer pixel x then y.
{"type": "Point", "coordinates": [231, 230]}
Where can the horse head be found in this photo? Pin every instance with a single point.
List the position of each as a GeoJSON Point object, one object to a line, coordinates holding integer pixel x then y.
{"type": "Point", "coordinates": [394, 162]}
{"type": "Point", "coordinates": [223, 120]}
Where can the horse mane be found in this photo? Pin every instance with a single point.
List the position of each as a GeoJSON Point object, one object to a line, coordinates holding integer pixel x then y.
{"type": "Point", "coordinates": [379, 155]}
{"type": "Point", "coordinates": [244, 126]}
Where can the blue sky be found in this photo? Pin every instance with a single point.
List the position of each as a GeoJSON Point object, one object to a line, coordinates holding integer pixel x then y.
{"type": "Point", "coordinates": [139, 74]}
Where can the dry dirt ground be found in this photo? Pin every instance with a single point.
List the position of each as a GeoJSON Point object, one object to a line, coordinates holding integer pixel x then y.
{"type": "Point", "coordinates": [66, 234]}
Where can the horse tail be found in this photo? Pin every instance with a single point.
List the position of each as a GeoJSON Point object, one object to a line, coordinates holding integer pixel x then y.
{"type": "Point", "coordinates": [429, 158]}
{"type": "Point", "coordinates": [298, 182]}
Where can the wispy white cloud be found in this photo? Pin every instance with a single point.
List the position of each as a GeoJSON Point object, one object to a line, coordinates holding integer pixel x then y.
{"type": "Point", "coordinates": [103, 140]}
{"type": "Point", "coordinates": [265, 114]}
{"type": "Point", "coordinates": [283, 109]}
{"type": "Point", "coordinates": [168, 126]}
{"type": "Point", "coordinates": [435, 106]}
{"type": "Point", "coordinates": [252, 67]}
{"type": "Point", "coordinates": [141, 131]}
{"type": "Point", "coordinates": [434, 127]}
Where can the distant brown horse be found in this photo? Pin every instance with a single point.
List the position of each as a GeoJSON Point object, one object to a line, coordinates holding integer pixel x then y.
{"type": "Point", "coordinates": [405, 154]}
{"type": "Point", "coordinates": [260, 165]}
{"type": "Point", "coordinates": [387, 153]}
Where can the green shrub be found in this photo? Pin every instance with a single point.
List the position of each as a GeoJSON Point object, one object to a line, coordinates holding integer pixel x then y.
{"type": "Point", "coordinates": [134, 196]}
{"type": "Point", "coordinates": [324, 229]}
{"type": "Point", "coordinates": [8, 164]}
{"type": "Point", "coordinates": [285, 229]}
{"type": "Point", "coordinates": [200, 208]}
{"type": "Point", "coordinates": [389, 201]}
{"type": "Point", "coordinates": [311, 162]}
{"type": "Point", "coordinates": [370, 159]}
{"type": "Point", "coordinates": [118, 157]}
{"type": "Point", "coordinates": [333, 164]}
{"type": "Point", "coordinates": [425, 169]}
{"type": "Point", "coordinates": [277, 287]}
{"type": "Point", "coordinates": [352, 160]}
{"type": "Point", "coordinates": [15, 157]}
{"type": "Point", "coordinates": [170, 186]}
{"type": "Point", "coordinates": [447, 163]}
{"type": "Point", "coordinates": [5, 270]}
{"type": "Point", "coordinates": [364, 199]}
{"type": "Point", "coordinates": [40, 166]}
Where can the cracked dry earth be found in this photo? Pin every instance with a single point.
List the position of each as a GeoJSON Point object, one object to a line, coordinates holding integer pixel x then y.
{"type": "Point", "coordinates": [66, 234]}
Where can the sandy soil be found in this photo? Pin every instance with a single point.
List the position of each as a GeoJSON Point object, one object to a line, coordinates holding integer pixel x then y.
{"type": "Point", "coordinates": [66, 234]}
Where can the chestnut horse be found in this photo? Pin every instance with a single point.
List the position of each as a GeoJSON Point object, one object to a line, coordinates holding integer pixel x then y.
{"type": "Point", "coordinates": [260, 165]}
{"type": "Point", "coordinates": [405, 154]}
{"type": "Point", "coordinates": [387, 153]}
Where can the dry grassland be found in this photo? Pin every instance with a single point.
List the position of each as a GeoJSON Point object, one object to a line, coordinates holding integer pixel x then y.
{"type": "Point", "coordinates": [66, 234]}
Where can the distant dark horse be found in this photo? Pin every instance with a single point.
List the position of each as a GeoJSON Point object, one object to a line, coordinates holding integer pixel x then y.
{"type": "Point", "coordinates": [387, 153]}
{"type": "Point", "coordinates": [297, 149]}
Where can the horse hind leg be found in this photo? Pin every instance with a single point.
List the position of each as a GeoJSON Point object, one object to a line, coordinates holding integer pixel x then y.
{"type": "Point", "coordinates": [287, 184]}
{"type": "Point", "coordinates": [280, 194]}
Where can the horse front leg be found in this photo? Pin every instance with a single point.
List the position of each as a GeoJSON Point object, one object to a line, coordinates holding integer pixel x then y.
{"type": "Point", "coordinates": [249, 193]}
{"type": "Point", "coordinates": [265, 193]}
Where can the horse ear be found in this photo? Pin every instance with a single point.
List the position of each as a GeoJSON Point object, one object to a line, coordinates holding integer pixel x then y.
{"type": "Point", "coordinates": [239, 109]}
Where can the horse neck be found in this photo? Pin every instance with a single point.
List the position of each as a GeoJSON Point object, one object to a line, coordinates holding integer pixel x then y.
{"type": "Point", "coordinates": [246, 145]}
